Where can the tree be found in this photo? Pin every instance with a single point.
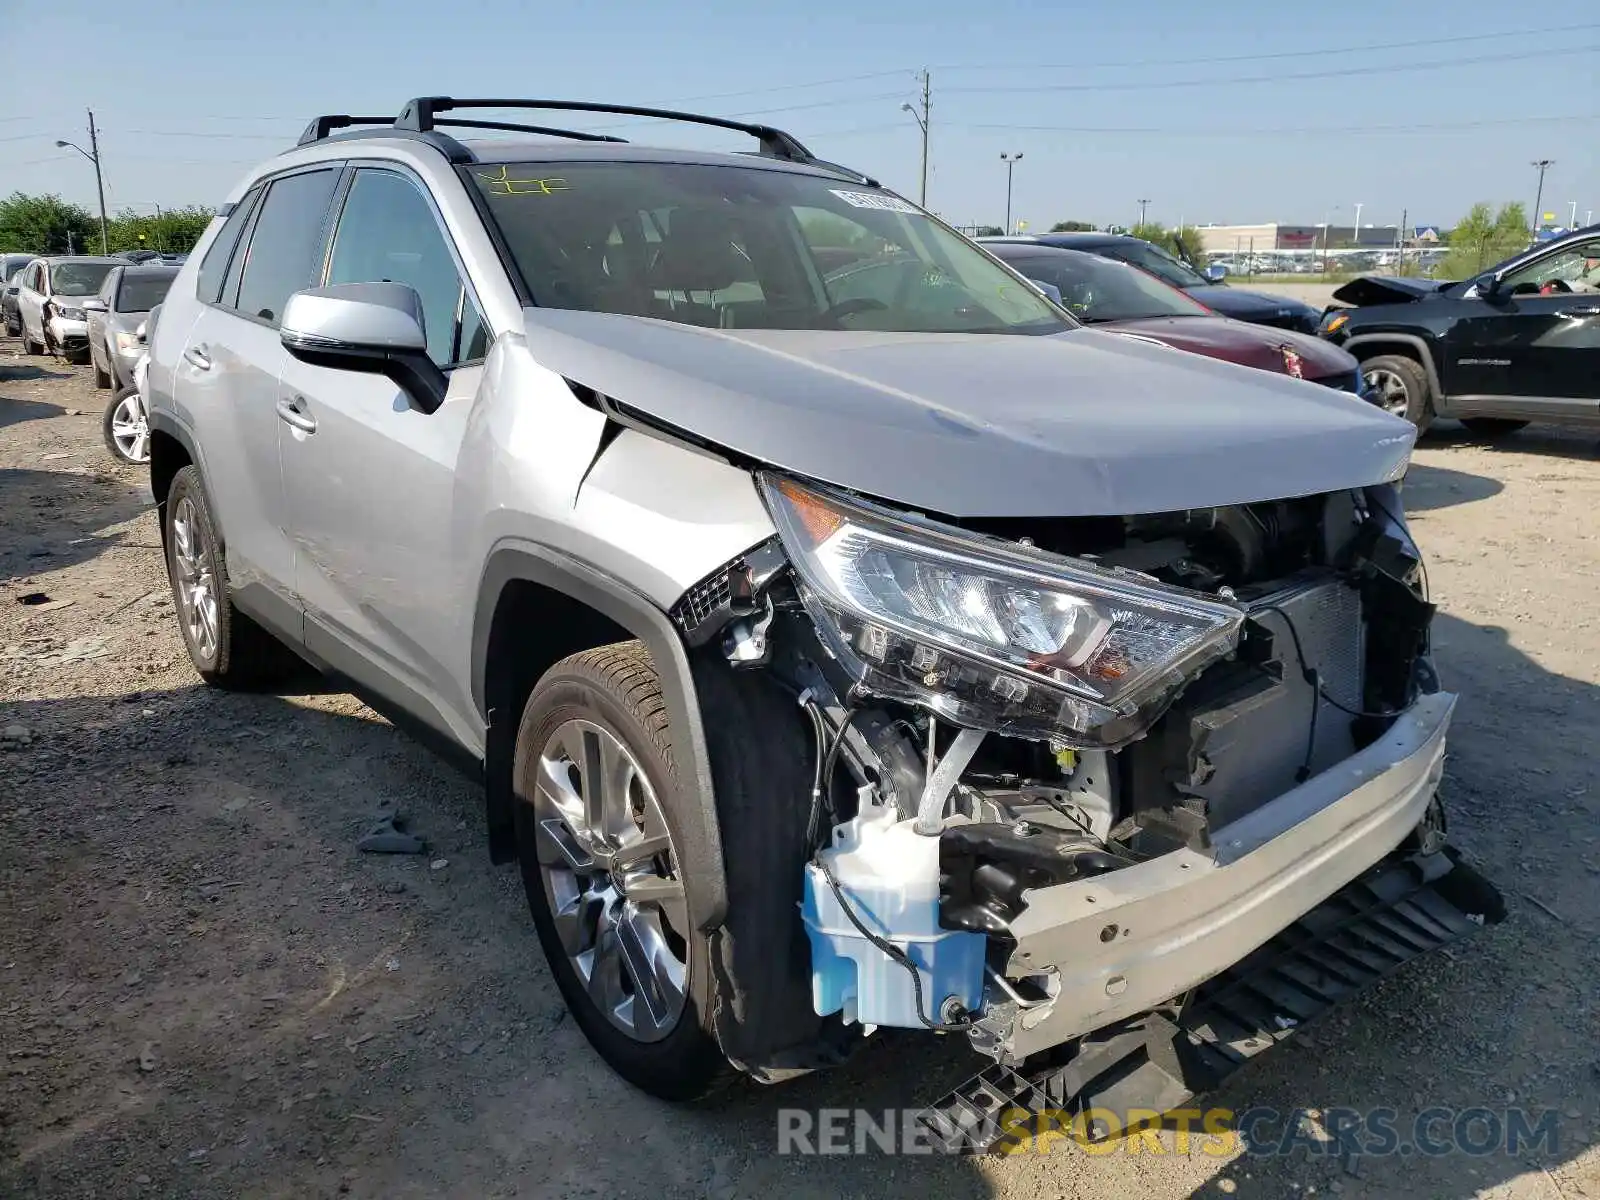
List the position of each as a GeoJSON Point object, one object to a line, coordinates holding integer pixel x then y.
{"type": "Point", "coordinates": [46, 225]}
{"type": "Point", "coordinates": [173, 231]}
{"type": "Point", "coordinates": [1072, 227]}
{"type": "Point", "coordinates": [1183, 243]}
{"type": "Point", "coordinates": [1484, 238]}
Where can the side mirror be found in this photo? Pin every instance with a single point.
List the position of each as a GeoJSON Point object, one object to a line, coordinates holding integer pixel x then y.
{"type": "Point", "coordinates": [1049, 290]}
{"type": "Point", "coordinates": [94, 304]}
{"type": "Point", "coordinates": [1215, 273]}
{"type": "Point", "coordinates": [376, 328]}
{"type": "Point", "coordinates": [142, 333]}
{"type": "Point", "coordinates": [1490, 287]}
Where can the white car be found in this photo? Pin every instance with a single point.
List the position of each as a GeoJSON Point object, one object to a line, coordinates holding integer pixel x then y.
{"type": "Point", "coordinates": [50, 303]}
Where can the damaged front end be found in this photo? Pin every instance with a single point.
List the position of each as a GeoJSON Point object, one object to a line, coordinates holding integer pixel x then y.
{"type": "Point", "coordinates": [1071, 772]}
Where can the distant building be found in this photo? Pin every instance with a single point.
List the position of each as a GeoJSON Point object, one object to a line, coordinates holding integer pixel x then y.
{"type": "Point", "coordinates": [1272, 237]}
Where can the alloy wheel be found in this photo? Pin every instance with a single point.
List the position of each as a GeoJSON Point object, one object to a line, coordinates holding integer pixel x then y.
{"type": "Point", "coordinates": [129, 429]}
{"type": "Point", "coordinates": [196, 579]}
{"type": "Point", "coordinates": [1387, 390]}
{"type": "Point", "coordinates": [611, 879]}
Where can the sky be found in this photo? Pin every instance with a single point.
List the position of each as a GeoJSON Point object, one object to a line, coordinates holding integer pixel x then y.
{"type": "Point", "coordinates": [1225, 112]}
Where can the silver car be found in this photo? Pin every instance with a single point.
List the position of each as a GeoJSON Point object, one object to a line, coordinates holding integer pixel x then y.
{"type": "Point", "coordinates": [50, 301]}
{"type": "Point", "coordinates": [115, 316]}
{"type": "Point", "coordinates": [844, 636]}
{"type": "Point", "coordinates": [11, 266]}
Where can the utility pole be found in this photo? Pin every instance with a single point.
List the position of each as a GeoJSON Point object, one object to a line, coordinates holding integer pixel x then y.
{"type": "Point", "coordinates": [1358, 223]}
{"type": "Point", "coordinates": [1010, 160]}
{"type": "Point", "coordinates": [1143, 205]}
{"type": "Point", "coordinates": [93, 155]}
{"type": "Point", "coordinates": [1400, 236]}
{"type": "Point", "coordinates": [1572, 214]}
{"type": "Point", "coordinates": [925, 105]}
{"type": "Point", "coordinates": [1542, 165]}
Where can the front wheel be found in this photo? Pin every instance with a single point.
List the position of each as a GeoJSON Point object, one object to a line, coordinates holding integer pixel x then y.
{"type": "Point", "coordinates": [1491, 427]}
{"type": "Point", "coordinates": [1399, 385]}
{"type": "Point", "coordinates": [595, 790]}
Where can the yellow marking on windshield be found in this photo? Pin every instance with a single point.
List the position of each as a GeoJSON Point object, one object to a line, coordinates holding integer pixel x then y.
{"type": "Point", "coordinates": [504, 185]}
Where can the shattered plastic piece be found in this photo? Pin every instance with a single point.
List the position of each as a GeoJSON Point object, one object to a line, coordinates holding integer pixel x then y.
{"type": "Point", "coordinates": [387, 837]}
{"type": "Point", "coordinates": [1285, 1022]}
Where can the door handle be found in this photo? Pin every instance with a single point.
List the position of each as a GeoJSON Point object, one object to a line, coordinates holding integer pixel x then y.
{"type": "Point", "coordinates": [290, 413]}
{"type": "Point", "coordinates": [1578, 314]}
{"type": "Point", "coordinates": [196, 356]}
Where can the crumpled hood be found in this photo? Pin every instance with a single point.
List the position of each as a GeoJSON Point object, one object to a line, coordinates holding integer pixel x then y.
{"type": "Point", "coordinates": [1387, 289]}
{"type": "Point", "coordinates": [1249, 345]}
{"type": "Point", "coordinates": [968, 425]}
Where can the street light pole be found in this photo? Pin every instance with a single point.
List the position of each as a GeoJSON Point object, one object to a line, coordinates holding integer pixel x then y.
{"type": "Point", "coordinates": [1358, 223]}
{"type": "Point", "coordinates": [1010, 160]}
{"type": "Point", "coordinates": [93, 155]}
{"type": "Point", "coordinates": [1542, 165]}
{"type": "Point", "coordinates": [921, 118]}
{"type": "Point", "coordinates": [1143, 206]}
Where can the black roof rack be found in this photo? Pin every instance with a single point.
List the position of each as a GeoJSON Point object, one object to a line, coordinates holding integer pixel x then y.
{"type": "Point", "coordinates": [420, 119]}
{"type": "Point", "coordinates": [419, 115]}
{"type": "Point", "coordinates": [322, 126]}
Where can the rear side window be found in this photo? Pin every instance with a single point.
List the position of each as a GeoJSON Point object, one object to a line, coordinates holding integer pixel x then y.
{"type": "Point", "coordinates": [214, 267]}
{"type": "Point", "coordinates": [285, 246]}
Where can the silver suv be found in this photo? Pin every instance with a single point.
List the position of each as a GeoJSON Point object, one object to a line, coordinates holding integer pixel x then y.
{"type": "Point", "coordinates": [845, 637]}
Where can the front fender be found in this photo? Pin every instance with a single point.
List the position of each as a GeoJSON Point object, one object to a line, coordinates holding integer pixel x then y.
{"type": "Point", "coordinates": [700, 846]}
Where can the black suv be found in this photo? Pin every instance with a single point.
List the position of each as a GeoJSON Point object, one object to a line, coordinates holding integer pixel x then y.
{"type": "Point", "coordinates": [1518, 343]}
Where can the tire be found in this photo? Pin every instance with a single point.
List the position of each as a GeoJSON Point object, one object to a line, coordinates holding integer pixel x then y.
{"type": "Point", "coordinates": [598, 707]}
{"type": "Point", "coordinates": [29, 346]}
{"type": "Point", "coordinates": [124, 420]}
{"type": "Point", "coordinates": [1491, 427]}
{"type": "Point", "coordinates": [1400, 385]}
{"type": "Point", "coordinates": [227, 648]}
{"type": "Point", "coordinates": [102, 378]}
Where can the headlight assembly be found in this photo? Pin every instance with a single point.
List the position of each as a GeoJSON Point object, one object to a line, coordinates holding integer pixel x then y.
{"type": "Point", "coordinates": [989, 634]}
{"type": "Point", "coordinates": [127, 343]}
{"type": "Point", "coordinates": [70, 314]}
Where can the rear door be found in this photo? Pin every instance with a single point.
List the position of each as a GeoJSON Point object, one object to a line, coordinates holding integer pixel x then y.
{"type": "Point", "coordinates": [370, 481]}
{"type": "Point", "coordinates": [226, 383]}
{"type": "Point", "coordinates": [30, 301]}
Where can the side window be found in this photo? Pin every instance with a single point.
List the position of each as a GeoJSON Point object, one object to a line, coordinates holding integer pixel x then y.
{"type": "Point", "coordinates": [282, 257]}
{"type": "Point", "coordinates": [388, 234]}
{"type": "Point", "coordinates": [1574, 269]}
{"type": "Point", "coordinates": [208, 285]}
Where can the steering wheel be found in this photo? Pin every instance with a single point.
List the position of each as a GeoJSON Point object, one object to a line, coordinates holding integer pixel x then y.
{"type": "Point", "coordinates": [849, 308]}
{"type": "Point", "coordinates": [1553, 287]}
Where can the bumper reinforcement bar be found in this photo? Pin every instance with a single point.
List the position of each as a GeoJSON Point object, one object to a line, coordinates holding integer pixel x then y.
{"type": "Point", "coordinates": [1402, 909]}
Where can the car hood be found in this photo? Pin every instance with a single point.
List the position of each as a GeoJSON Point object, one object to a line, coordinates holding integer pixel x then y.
{"type": "Point", "coordinates": [1387, 289]}
{"type": "Point", "coordinates": [1248, 306]}
{"type": "Point", "coordinates": [1242, 343]}
{"type": "Point", "coordinates": [1080, 423]}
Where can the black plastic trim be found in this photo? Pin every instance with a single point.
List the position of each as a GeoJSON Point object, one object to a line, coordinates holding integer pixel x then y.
{"type": "Point", "coordinates": [701, 848]}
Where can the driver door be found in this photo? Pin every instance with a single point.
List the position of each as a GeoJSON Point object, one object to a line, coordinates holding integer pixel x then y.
{"type": "Point", "coordinates": [1532, 350]}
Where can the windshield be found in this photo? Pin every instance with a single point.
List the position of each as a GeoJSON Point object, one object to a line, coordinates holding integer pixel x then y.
{"type": "Point", "coordinates": [141, 294]}
{"type": "Point", "coordinates": [747, 248]}
{"type": "Point", "coordinates": [1100, 289]}
{"type": "Point", "coordinates": [1158, 262]}
{"type": "Point", "coordinates": [78, 279]}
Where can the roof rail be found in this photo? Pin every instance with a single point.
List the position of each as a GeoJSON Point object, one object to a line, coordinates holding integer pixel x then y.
{"type": "Point", "coordinates": [322, 126]}
{"type": "Point", "coordinates": [419, 115]}
{"type": "Point", "coordinates": [576, 135]}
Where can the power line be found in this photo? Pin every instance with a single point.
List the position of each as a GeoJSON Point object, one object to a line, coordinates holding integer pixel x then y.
{"type": "Point", "coordinates": [1321, 52]}
{"type": "Point", "coordinates": [1335, 73]}
{"type": "Point", "coordinates": [1235, 131]}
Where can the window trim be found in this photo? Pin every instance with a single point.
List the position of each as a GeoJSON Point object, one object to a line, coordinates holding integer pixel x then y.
{"type": "Point", "coordinates": [253, 194]}
{"type": "Point", "coordinates": [247, 237]}
{"type": "Point", "coordinates": [466, 291]}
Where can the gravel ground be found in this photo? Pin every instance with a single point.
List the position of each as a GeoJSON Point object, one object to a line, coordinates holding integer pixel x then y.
{"type": "Point", "coordinates": [205, 991]}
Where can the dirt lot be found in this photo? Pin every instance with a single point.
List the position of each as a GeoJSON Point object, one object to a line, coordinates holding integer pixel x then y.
{"type": "Point", "coordinates": [205, 990]}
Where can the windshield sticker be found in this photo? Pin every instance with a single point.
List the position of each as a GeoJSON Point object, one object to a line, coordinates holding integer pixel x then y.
{"type": "Point", "coordinates": [504, 185]}
{"type": "Point", "coordinates": [877, 200]}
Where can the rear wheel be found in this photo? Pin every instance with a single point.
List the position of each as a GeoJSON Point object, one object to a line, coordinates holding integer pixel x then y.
{"type": "Point", "coordinates": [1492, 427]}
{"type": "Point", "coordinates": [126, 433]}
{"type": "Point", "coordinates": [227, 648]}
{"type": "Point", "coordinates": [1399, 385]}
{"type": "Point", "coordinates": [595, 796]}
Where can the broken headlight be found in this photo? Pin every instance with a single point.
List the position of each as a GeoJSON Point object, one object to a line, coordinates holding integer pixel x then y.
{"type": "Point", "coordinates": [990, 634]}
